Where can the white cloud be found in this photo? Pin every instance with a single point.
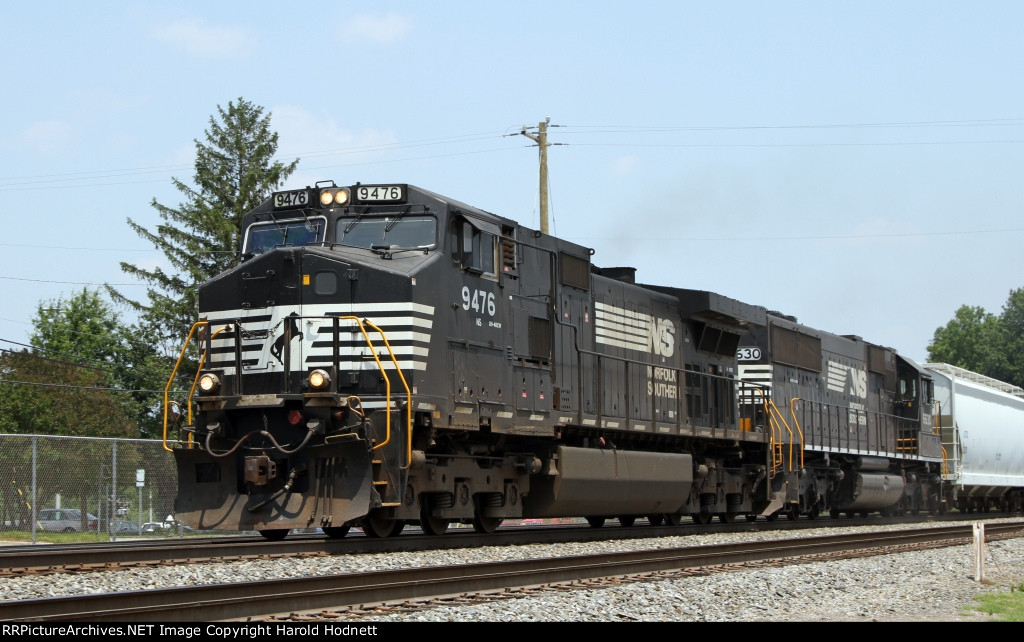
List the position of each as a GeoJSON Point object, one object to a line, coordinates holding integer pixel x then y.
{"type": "Point", "coordinates": [378, 28]}
{"type": "Point", "coordinates": [623, 166]}
{"type": "Point", "coordinates": [202, 40]}
{"type": "Point", "coordinates": [47, 136]}
{"type": "Point", "coordinates": [303, 133]}
{"type": "Point", "coordinates": [326, 149]}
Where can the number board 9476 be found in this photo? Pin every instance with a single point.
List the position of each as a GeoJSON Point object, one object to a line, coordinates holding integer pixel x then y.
{"type": "Point", "coordinates": [379, 193]}
{"type": "Point", "coordinates": [292, 198]}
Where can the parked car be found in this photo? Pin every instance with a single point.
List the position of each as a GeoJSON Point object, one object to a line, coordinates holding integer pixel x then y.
{"type": "Point", "coordinates": [125, 527]}
{"type": "Point", "coordinates": [66, 520]}
{"type": "Point", "coordinates": [165, 528]}
{"type": "Point", "coordinates": [150, 528]}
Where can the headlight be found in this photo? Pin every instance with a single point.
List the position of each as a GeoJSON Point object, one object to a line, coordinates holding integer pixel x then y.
{"type": "Point", "coordinates": [319, 379]}
{"type": "Point", "coordinates": [209, 383]}
{"type": "Point", "coordinates": [335, 196]}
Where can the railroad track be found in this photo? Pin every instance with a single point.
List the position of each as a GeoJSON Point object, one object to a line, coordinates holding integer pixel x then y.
{"type": "Point", "coordinates": [300, 599]}
{"type": "Point", "coordinates": [23, 560]}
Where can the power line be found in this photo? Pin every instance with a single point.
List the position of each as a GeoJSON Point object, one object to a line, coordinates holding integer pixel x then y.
{"type": "Point", "coordinates": [42, 181]}
{"type": "Point", "coordinates": [15, 278]}
{"type": "Point", "coordinates": [631, 129]}
{"type": "Point", "coordinates": [49, 181]}
{"type": "Point", "coordinates": [70, 387]}
{"type": "Point", "coordinates": [838, 237]}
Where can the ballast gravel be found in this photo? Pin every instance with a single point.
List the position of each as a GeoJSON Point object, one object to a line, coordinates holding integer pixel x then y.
{"type": "Point", "coordinates": [927, 585]}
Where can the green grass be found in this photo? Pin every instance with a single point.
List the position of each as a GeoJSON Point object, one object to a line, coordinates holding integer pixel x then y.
{"type": "Point", "coordinates": [1000, 607]}
{"type": "Point", "coordinates": [11, 535]}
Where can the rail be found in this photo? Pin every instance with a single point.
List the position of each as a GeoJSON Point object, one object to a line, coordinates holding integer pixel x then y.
{"type": "Point", "coordinates": [260, 599]}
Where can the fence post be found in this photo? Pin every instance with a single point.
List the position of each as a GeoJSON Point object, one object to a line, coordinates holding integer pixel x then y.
{"type": "Point", "coordinates": [35, 506]}
{"type": "Point", "coordinates": [112, 513]}
{"type": "Point", "coordinates": [979, 552]}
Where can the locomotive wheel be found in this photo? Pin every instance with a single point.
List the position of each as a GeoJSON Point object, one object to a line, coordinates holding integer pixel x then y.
{"type": "Point", "coordinates": [381, 526]}
{"type": "Point", "coordinates": [751, 517]}
{"type": "Point", "coordinates": [627, 521]}
{"type": "Point", "coordinates": [727, 518]}
{"type": "Point", "coordinates": [432, 525]}
{"type": "Point", "coordinates": [595, 522]}
{"type": "Point", "coordinates": [701, 518]}
{"type": "Point", "coordinates": [656, 520]}
{"type": "Point", "coordinates": [486, 524]}
{"type": "Point", "coordinates": [275, 534]}
{"type": "Point", "coordinates": [336, 532]}
{"type": "Point", "coordinates": [834, 514]}
{"type": "Point", "coordinates": [674, 519]}
{"type": "Point", "coordinates": [793, 512]}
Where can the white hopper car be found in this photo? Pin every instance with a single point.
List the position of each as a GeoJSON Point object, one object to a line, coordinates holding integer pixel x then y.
{"type": "Point", "coordinates": [982, 425]}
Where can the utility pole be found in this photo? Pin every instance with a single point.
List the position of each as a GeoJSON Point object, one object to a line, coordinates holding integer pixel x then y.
{"type": "Point", "coordinates": [541, 138]}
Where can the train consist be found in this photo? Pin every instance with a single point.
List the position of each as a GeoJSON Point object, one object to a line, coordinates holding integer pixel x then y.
{"type": "Point", "coordinates": [383, 355]}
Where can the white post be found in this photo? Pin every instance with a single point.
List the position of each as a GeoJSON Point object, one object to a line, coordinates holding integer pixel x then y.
{"type": "Point", "coordinates": [979, 552]}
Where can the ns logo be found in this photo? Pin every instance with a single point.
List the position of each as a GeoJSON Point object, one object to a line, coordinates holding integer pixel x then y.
{"type": "Point", "coordinates": [661, 336]}
{"type": "Point", "coordinates": [858, 383]}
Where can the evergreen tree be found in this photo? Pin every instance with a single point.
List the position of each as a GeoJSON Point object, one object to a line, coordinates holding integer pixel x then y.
{"type": "Point", "coordinates": [234, 172]}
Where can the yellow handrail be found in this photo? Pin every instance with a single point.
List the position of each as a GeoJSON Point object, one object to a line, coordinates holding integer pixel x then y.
{"type": "Point", "coordinates": [408, 394]}
{"type": "Point", "coordinates": [170, 380]}
{"type": "Point", "coordinates": [775, 415]}
{"type": "Point", "coordinates": [195, 380]}
{"type": "Point", "coordinates": [799, 430]}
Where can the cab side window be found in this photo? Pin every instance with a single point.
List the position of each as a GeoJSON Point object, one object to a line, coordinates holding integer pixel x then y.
{"type": "Point", "coordinates": [474, 249]}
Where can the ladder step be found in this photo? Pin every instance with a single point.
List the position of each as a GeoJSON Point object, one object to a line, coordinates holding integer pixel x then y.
{"type": "Point", "coordinates": [380, 483]}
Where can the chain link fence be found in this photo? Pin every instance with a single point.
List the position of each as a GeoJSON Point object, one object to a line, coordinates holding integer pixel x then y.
{"type": "Point", "coordinates": [57, 488]}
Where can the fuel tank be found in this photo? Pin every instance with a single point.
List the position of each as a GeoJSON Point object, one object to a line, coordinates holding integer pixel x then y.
{"type": "Point", "coordinates": [873, 491]}
{"type": "Point", "coordinates": [592, 481]}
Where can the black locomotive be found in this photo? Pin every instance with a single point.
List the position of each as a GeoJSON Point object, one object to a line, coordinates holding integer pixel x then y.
{"type": "Point", "coordinates": [384, 355]}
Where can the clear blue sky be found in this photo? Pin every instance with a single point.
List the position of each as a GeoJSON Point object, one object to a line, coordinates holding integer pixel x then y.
{"type": "Point", "coordinates": [855, 164]}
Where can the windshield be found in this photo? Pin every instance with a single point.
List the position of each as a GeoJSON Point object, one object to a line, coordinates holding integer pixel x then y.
{"type": "Point", "coordinates": [261, 237]}
{"type": "Point", "coordinates": [390, 232]}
